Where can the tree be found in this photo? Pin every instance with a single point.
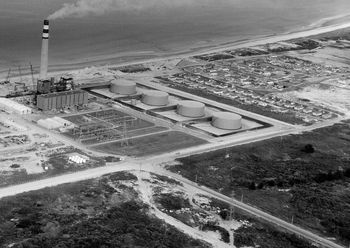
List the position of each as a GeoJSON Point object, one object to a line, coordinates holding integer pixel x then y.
{"type": "Point", "coordinates": [308, 149]}
{"type": "Point", "coordinates": [260, 185]}
{"type": "Point", "coordinates": [223, 214]}
{"type": "Point", "coordinates": [252, 186]}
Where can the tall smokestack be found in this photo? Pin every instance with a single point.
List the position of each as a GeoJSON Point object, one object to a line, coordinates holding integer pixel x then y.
{"type": "Point", "coordinates": [44, 51]}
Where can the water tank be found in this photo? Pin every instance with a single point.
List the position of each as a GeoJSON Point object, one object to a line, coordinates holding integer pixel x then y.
{"type": "Point", "coordinates": [191, 109]}
{"type": "Point", "coordinates": [123, 87]}
{"type": "Point", "coordinates": [155, 98]}
{"type": "Point", "coordinates": [227, 120]}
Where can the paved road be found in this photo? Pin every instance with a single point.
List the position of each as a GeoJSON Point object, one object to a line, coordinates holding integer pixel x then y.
{"type": "Point", "coordinates": [149, 165]}
{"type": "Point", "coordinates": [252, 210]}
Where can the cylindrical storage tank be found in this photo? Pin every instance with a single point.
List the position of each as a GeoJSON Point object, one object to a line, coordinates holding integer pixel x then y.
{"type": "Point", "coordinates": [155, 98]}
{"type": "Point", "coordinates": [191, 109]}
{"type": "Point", "coordinates": [227, 120]}
{"type": "Point", "coordinates": [123, 87]}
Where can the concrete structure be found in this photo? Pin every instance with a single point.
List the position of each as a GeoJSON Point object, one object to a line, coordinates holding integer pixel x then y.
{"type": "Point", "coordinates": [227, 120]}
{"type": "Point", "coordinates": [61, 100]}
{"type": "Point", "coordinates": [123, 87]}
{"type": "Point", "coordinates": [155, 98]}
{"type": "Point", "coordinates": [44, 51]}
{"type": "Point", "coordinates": [191, 109]}
{"type": "Point", "coordinates": [13, 107]}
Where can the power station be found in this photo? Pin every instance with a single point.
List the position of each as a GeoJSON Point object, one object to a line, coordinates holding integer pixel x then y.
{"type": "Point", "coordinates": [56, 94]}
{"type": "Point", "coordinates": [49, 93]}
{"type": "Point", "coordinates": [52, 95]}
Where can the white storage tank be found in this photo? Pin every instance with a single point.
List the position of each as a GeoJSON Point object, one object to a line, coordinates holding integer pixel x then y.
{"type": "Point", "coordinates": [191, 109]}
{"type": "Point", "coordinates": [123, 87]}
{"type": "Point", "coordinates": [227, 120]}
{"type": "Point", "coordinates": [155, 98]}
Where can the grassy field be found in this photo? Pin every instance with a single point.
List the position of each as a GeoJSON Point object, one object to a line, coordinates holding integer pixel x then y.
{"type": "Point", "coordinates": [305, 177]}
{"type": "Point", "coordinates": [151, 144]}
{"type": "Point", "coordinates": [103, 212]}
{"type": "Point", "coordinates": [150, 130]}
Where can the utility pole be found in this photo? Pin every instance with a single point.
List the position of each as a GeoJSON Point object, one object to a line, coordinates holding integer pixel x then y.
{"type": "Point", "coordinates": [20, 73]}
{"type": "Point", "coordinates": [32, 73]}
{"type": "Point", "coordinates": [8, 77]}
{"type": "Point", "coordinates": [232, 210]}
{"type": "Point", "coordinates": [233, 237]}
{"type": "Point", "coordinates": [125, 141]}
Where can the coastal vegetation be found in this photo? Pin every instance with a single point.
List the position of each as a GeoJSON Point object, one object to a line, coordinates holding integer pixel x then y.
{"type": "Point", "coordinates": [302, 178]}
{"type": "Point", "coordinates": [102, 212]}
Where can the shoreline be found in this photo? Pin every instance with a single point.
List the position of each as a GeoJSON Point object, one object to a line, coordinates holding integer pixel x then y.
{"type": "Point", "coordinates": [130, 58]}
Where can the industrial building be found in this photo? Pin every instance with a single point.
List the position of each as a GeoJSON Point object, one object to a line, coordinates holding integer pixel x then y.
{"type": "Point", "coordinates": [123, 87]}
{"type": "Point", "coordinates": [55, 123]}
{"type": "Point", "coordinates": [155, 98]}
{"type": "Point", "coordinates": [14, 107]}
{"type": "Point", "coordinates": [191, 109]}
{"type": "Point", "coordinates": [227, 120]}
{"type": "Point", "coordinates": [50, 86]}
{"type": "Point", "coordinates": [61, 100]}
{"type": "Point", "coordinates": [45, 86]}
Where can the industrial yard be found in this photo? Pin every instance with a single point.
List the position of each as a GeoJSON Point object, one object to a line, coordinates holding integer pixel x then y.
{"type": "Point", "coordinates": [26, 152]}
{"type": "Point", "coordinates": [107, 125]}
{"type": "Point", "coordinates": [163, 106]}
{"type": "Point", "coordinates": [30, 153]}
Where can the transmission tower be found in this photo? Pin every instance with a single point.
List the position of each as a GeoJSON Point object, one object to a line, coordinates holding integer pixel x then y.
{"type": "Point", "coordinates": [125, 140]}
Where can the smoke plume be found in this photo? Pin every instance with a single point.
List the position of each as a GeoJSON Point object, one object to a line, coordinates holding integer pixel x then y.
{"type": "Point", "coordinates": [83, 8]}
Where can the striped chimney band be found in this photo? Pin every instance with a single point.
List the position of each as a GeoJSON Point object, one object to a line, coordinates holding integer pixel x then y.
{"type": "Point", "coordinates": [46, 30]}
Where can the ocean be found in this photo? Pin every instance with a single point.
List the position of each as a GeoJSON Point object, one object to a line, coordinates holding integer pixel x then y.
{"type": "Point", "coordinates": [149, 31]}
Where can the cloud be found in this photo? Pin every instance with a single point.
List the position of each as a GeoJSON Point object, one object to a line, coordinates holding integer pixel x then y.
{"type": "Point", "coordinates": [83, 8]}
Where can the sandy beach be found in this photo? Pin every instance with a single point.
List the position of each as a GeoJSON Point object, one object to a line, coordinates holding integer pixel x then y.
{"type": "Point", "coordinates": [108, 52]}
{"type": "Point", "coordinates": [125, 36]}
{"type": "Point", "coordinates": [129, 58]}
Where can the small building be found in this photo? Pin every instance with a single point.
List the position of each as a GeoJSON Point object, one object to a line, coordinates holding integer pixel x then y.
{"type": "Point", "coordinates": [13, 107]}
{"type": "Point", "coordinates": [55, 123]}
